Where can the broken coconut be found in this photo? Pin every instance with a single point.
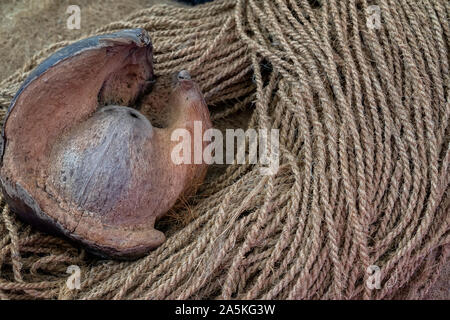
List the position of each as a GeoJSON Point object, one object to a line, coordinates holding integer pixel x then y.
{"type": "Point", "coordinates": [78, 157]}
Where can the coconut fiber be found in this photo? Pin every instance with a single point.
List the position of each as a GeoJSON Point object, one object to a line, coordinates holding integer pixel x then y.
{"type": "Point", "coordinates": [363, 112]}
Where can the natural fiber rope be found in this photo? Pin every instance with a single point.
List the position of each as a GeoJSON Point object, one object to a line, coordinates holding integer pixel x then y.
{"type": "Point", "coordinates": [363, 116]}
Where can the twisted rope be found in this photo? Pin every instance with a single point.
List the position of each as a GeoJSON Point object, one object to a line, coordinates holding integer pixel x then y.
{"type": "Point", "coordinates": [363, 115]}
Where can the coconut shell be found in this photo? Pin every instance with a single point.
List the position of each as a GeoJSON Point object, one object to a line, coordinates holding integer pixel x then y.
{"type": "Point", "coordinates": [78, 157]}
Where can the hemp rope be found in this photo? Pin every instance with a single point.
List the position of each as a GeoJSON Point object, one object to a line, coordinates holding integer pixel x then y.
{"type": "Point", "coordinates": [363, 116]}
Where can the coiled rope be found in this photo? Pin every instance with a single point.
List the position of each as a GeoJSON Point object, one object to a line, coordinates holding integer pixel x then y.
{"type": "Point", "coordinates": [363, 115]}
